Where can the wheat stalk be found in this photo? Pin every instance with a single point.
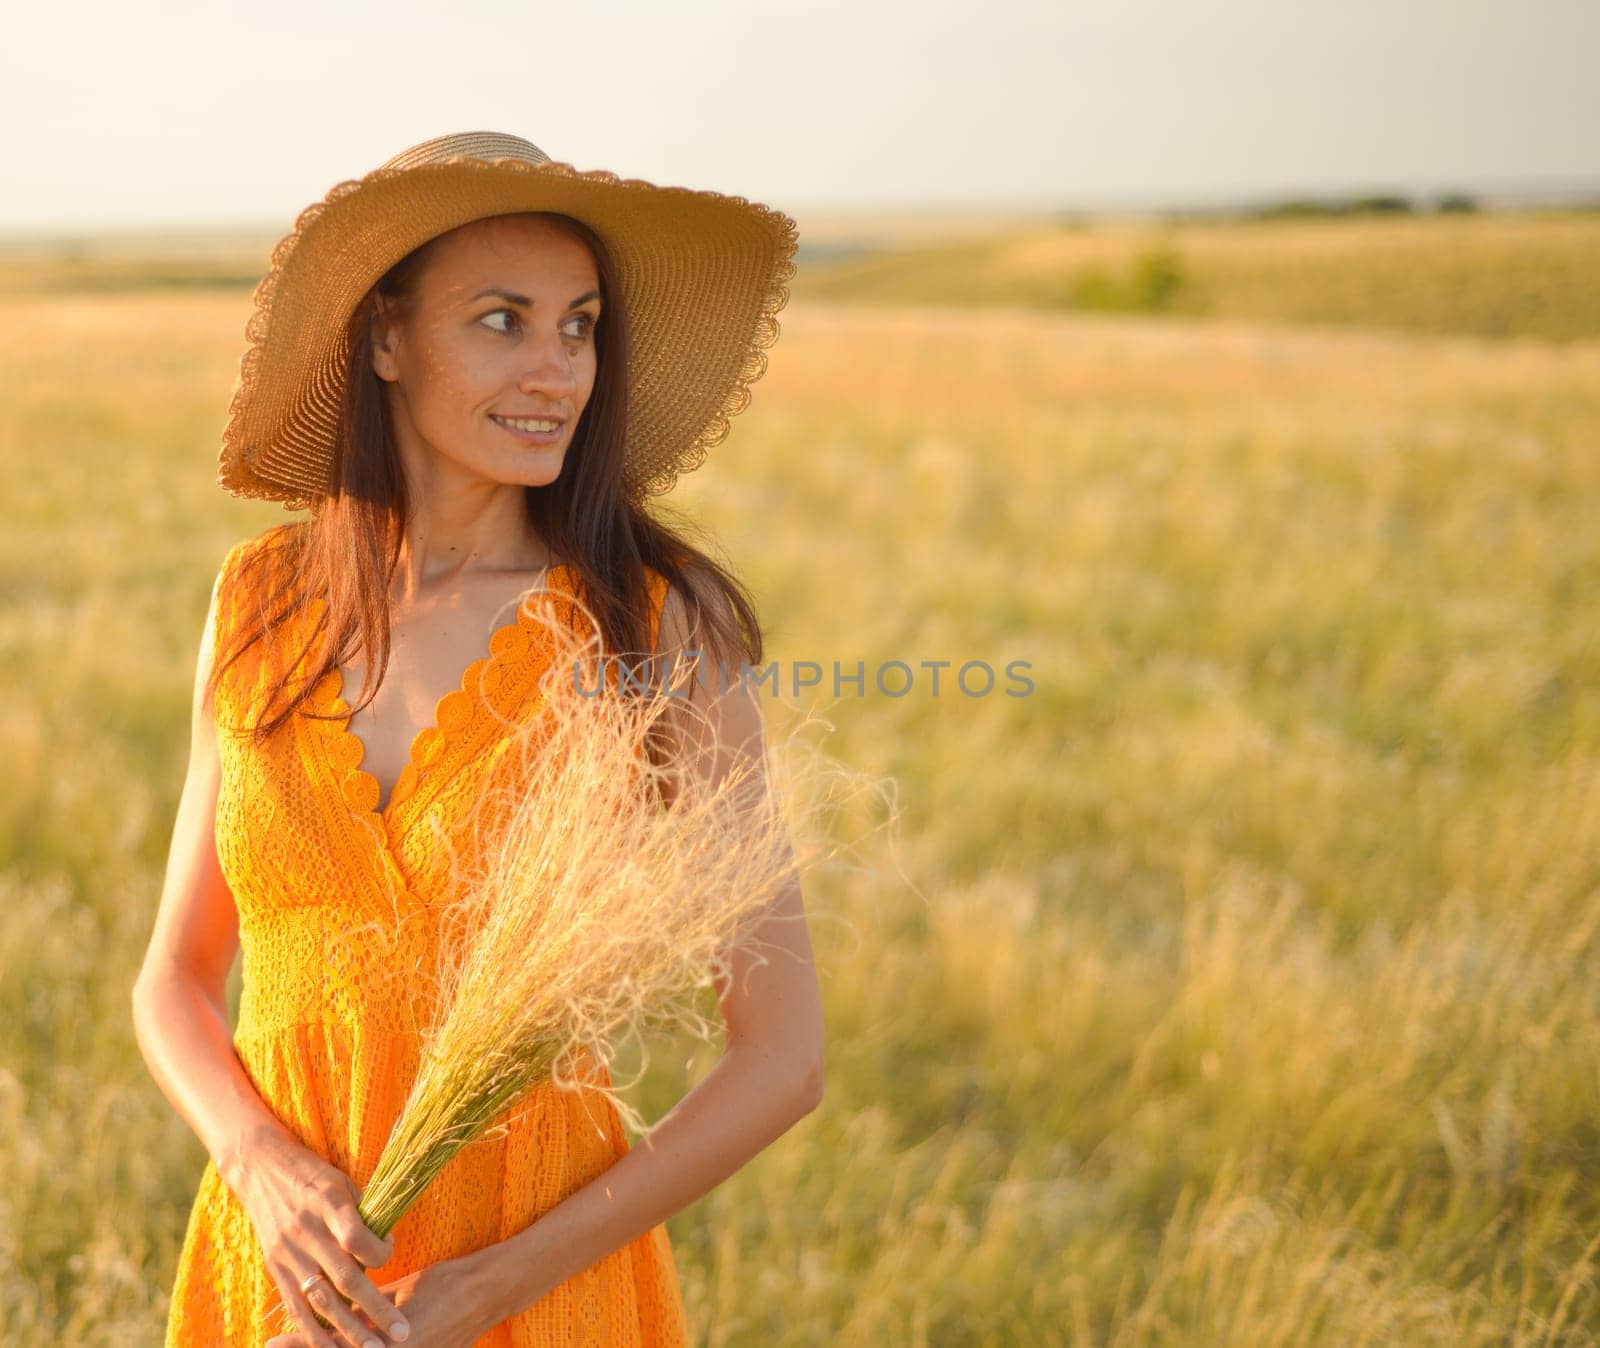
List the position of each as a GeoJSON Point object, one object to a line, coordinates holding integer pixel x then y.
{"type": "Point", "coordinates": [595, 909]}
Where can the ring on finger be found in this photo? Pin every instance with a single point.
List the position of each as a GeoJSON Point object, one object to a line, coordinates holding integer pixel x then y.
{"type": "Point", "coordinates": [307, 1283]}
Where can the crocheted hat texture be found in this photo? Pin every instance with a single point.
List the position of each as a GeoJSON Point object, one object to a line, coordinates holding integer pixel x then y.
{"type": "Point", "coordinates": [702, 275]}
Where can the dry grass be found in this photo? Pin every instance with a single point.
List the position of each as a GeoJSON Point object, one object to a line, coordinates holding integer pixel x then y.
{"type": "Point", "coordinates": [588, 911]}
{"type": "Point", "coordinates": [1241, 987]}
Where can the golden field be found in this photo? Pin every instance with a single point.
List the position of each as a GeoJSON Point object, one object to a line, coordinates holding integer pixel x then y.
{"type": "Point", "coordinates": [1237, 986]}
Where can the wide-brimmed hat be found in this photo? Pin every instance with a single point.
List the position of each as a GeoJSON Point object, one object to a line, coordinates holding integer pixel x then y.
{"type": "Point", "coordinates": [702, 275]}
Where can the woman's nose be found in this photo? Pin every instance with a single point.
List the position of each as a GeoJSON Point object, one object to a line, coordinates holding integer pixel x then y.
{"type": "Point", "coordinates": [549, 368]}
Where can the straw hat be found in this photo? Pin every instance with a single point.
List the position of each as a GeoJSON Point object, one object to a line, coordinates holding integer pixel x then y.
{"type": "Point", "coordinates": [702, 277]}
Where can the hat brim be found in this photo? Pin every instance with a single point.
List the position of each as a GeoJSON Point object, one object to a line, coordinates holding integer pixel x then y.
{"type": "Point", "coordinates": [703, 276]}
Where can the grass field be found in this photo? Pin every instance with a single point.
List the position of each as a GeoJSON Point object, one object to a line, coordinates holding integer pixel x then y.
{"type": "Point", "coordinates": [1490, 275]}
{"type": "Point", "coordinates": [1237, 986]}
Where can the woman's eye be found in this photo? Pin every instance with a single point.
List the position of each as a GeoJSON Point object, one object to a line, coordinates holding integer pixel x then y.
{"type": "Point", "coordinates": [585, 321]}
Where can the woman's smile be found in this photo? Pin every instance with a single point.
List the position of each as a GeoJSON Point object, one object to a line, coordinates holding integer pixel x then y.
{"type": "Point", "coordinates": [533, 430]}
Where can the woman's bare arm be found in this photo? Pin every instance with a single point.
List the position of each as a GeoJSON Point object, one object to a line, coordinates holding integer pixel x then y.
{"type": "Point", "coordinates": [303, 1210]}
{"type": "Point", "coordinates": [769, 1076]}
{"type": "Point", "coordinates": [180, 1010]}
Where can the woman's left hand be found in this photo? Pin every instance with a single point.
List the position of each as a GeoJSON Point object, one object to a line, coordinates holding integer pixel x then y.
{"type": "Point", "coordinates": [440, 1303]}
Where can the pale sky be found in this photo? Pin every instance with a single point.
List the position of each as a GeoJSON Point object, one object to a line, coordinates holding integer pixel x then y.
{"type": "Point", "coordinates": [223, 114]}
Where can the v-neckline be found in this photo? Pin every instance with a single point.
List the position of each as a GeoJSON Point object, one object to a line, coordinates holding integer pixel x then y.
{"type": "Point", "coordinates": [453, 712]}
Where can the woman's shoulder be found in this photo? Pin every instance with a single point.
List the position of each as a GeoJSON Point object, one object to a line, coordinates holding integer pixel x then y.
{"type": "Point", "coordinates": [274, 536]}
{"type": "Point", "coordinates": [691, 614]}
{"type": "Point", "coordinates": [247, 574]}
{"type": "Point", "coordinates": [249, 551]}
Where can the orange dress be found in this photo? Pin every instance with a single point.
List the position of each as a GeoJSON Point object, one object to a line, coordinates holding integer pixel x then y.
{"type": "Point", "coordinates": [337, 904]}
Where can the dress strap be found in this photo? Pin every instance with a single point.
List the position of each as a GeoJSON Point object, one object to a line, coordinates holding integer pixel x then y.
{"type": "Point", "coordinates": [658, 601]}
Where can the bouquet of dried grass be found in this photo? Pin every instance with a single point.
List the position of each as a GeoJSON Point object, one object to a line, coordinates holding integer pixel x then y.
{"type": "Point", "coordinates": [597, 908]}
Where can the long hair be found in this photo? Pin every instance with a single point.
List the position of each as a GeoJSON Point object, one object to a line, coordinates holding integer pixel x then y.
{"type": "Point", "coordinates": [592, 516]}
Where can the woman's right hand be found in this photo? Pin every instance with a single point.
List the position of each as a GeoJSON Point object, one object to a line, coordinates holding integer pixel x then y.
{"type": "Point", "coordinates": [305, 1215]}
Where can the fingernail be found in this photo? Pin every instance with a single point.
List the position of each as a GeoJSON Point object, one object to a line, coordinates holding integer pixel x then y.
{"type": "Point", "coordinates": [371, 1343]}
{"type": "Point", "coordinates": [399, 1330]}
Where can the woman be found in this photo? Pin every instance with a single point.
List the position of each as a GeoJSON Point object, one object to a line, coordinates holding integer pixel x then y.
{"type": "Point", "coordinates": [472, 366]}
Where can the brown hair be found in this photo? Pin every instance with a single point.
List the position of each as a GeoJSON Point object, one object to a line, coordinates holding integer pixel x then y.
{"type": "Point", "coordinates": [591, 517]}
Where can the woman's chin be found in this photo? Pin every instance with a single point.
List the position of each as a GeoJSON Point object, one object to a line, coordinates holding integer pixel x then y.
{"type": "Point", "coordinates": [536, 466]}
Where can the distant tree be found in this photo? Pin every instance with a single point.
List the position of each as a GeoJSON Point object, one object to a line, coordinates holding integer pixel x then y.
{"type": "Point", "coordinates": [1382, 205]}
{"type": "Point", "coordinates": [1157, 278]}
{"type": "Point", "coordinates": [1154, 280]}
{"type": "Point", "coordinates": [1094, 288]}
{"type": "Point", "coordinates": [1298, 208]}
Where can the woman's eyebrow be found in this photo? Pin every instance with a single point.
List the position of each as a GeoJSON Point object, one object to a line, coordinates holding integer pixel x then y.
{"type": "Point", "coordinates": [511, 297]}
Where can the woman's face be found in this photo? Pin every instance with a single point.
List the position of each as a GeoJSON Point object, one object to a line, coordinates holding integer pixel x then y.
{"type": "Point", "coordinates": [500, 334]}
